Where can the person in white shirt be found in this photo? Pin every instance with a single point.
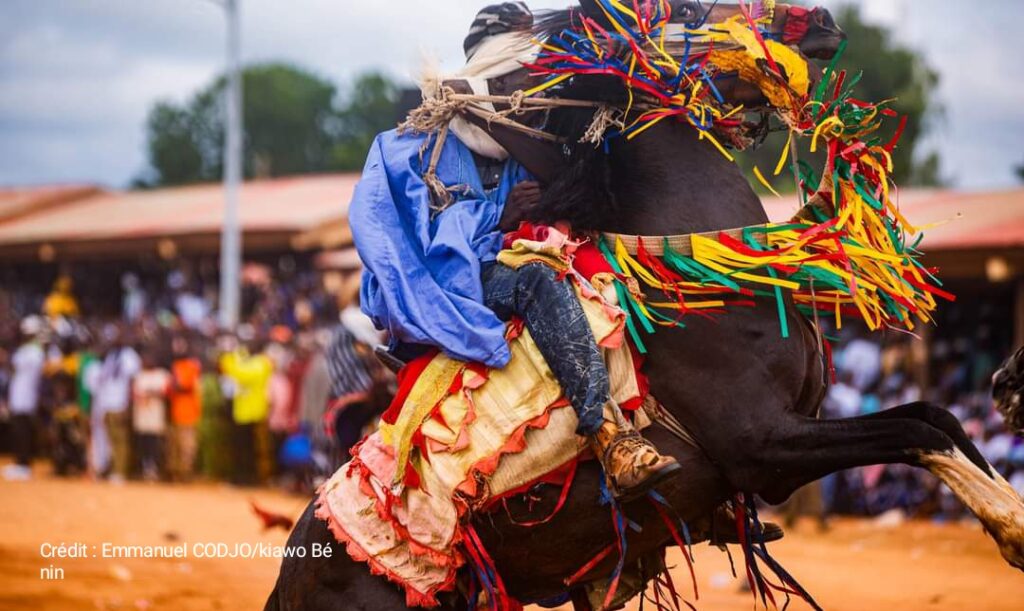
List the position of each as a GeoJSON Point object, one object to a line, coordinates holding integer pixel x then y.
{"type": "Point", "coordinates": [862, 358]}
{"type": "Point", "coordinates": [27, 363]}
{"type": "Point", "coordinates": [110, 383]}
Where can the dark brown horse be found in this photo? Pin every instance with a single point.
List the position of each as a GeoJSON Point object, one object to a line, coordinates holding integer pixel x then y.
{"type": "Point", "coordinates": [748, 397]}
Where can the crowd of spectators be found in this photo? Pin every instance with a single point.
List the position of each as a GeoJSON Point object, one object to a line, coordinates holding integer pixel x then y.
{"type": "Point", "coordinates": [156, 391]}
{"type": "Point", "coordinates": [873, 374]}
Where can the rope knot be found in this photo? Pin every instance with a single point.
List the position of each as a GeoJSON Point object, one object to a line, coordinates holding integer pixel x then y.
{"type": "Point", "coordinates": [434, 113]}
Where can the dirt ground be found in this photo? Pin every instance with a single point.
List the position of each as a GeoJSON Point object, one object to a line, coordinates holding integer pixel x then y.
{"type": "Point", "coordinates": [859, 564]}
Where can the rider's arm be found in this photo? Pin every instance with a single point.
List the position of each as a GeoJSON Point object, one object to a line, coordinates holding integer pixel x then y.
{"type": "Point", "coordinates": [421, 275]}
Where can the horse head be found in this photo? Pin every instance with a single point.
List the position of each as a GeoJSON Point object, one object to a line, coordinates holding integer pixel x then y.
{"type": "Point", "coordinates": [814, 31]}
{"type": "Point", "coordinates": [810, 33]}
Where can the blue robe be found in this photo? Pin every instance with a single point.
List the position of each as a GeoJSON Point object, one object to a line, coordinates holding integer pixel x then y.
{"type": "Point", "coordinates": [421, 276]}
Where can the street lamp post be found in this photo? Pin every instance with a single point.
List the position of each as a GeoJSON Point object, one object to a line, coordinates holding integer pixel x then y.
{"type": "Point", "coordinates": [231, 233]}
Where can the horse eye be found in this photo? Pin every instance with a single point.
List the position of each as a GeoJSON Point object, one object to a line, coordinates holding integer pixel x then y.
{"type": "Point", "coordinates": [687, 11]}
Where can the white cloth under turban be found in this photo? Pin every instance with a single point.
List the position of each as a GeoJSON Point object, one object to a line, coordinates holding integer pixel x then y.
{"type": "Point", "coordinates": [492, 57]}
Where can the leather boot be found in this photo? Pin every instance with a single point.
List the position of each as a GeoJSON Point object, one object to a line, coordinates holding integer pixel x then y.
{"type": "Point", "coordinates": [723, 528]}
{"type": "Point", "coordinates": [632, 464]}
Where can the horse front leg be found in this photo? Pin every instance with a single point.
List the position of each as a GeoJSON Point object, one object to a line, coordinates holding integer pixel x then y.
{"type": "Point", "coordinates": [801, 450]}
{"type": "Point", "coordinates": [989, 495]}
{"type": "Point", "coordinates": [942, 419]}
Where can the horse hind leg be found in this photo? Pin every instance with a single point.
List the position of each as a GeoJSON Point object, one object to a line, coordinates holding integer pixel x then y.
{"type": "Point", "coordinates": [802, 450]}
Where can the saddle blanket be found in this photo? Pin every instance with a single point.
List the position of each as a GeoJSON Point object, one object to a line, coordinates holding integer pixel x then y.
{"type": "Point", "coordinates": [460, 436]}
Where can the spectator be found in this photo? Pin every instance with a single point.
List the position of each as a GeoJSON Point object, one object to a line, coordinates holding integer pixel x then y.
{"type": "Point", "coordinates": [316, 395]}
{"type": "Point", "coordinates": [134, 301]}
{"type": "Point", "coordinates": [862, 360]}
{"type": "Point", "coordinates": [843, 399]}
{"type": "Point", "coordinates": [359, 387]}
{"type": "Point", "coordinates": [214, 422]}
{"type": "Point", "coordinates": [110, 383]}
{"type": "Point", "coordinates": [283, 421]}
{"type": "Point", "coordinates": [27, 362]}
{"type": "Point", "coordinates": [150, 390]}
{"type": "Point", "coordinates": [68, 432]}
{"type": "Point", "coordinates": [250, 372]}
{"type": "Point", "coordinates": [61, 301]}
{"type": "Point", "coordinates": [86, 358]}
{"type": "Point", "coordinates": [185, 411]}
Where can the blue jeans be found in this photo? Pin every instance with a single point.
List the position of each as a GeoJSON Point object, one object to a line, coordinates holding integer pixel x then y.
{"type": "Point", "coordinates": [553, 315]}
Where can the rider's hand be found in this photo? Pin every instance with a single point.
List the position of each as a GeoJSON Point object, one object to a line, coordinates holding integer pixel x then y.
{"type": "Point", "coordinates": [525, 195]}
{"type": "Point", "coordinates": [521, 202]}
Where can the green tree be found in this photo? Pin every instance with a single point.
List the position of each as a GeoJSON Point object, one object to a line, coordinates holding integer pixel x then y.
{"type": "Point", "coordinates": [292, 120]}
{"type": "Point", "coordinates": [371, 108]}
{"type": "Point", "coordinates": [172, 148]}
{"type": "Point", "coordinates": [288, 121]}
{"type": "Point", "coordinates": [889, 71]}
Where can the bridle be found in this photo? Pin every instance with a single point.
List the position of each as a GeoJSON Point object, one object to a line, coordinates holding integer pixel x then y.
{"type": "Point", "coordinates": [437, 112]}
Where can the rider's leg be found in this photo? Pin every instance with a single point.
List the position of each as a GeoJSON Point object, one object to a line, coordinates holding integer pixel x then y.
{"type": "Point", "coordinates": [556, 321]}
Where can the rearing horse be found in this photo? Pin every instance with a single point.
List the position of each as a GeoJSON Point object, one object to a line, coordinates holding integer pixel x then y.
{"type": "Point", "coordinates": [748, 397]}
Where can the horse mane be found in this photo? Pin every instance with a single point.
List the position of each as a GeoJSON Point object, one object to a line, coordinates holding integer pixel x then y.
{"type": "Point", "coordinates": [581, 195]}
{"type": "Point", "coordinates": [548, 23]}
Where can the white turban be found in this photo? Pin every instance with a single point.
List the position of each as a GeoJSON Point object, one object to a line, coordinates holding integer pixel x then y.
{"type": "Point", "coordinates": [493, 57]}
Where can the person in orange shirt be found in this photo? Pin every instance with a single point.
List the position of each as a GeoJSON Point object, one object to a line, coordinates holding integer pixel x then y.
{"type": "Point", "coordinates": [185, 410]}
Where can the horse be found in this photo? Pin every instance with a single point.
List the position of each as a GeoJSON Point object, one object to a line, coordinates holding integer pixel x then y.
{"type": "Point", "coordinates": [748, 397]}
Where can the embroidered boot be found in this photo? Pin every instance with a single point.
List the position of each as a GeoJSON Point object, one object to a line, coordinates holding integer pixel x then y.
{"type": "Point", "coordinates": [632, 464]}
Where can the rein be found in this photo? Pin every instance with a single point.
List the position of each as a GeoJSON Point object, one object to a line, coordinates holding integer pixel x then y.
{"type": "Point", "coordinates": [437, 112]}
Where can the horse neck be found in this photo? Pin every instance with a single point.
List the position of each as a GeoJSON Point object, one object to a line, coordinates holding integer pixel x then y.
{"type": "Point", "coordinates": [667, 181]}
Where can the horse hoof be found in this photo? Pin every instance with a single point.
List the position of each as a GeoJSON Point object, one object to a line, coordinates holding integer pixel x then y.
{"type": "Point", "coordinates": [990, 498]}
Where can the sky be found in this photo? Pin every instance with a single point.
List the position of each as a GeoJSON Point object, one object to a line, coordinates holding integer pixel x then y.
{"type": "Point", "coordinates": [77, 77]}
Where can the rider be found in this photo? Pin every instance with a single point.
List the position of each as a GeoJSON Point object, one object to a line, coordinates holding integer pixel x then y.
{"type": "Point", "coordinates": [431, 277]}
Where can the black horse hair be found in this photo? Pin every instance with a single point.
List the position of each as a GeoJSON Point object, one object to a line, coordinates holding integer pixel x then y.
{"type": "Point", "coordinates": [581, 194]}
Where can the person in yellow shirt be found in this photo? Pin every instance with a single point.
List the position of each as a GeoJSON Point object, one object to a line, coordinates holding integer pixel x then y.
{"type": "Point", "coordinates": [249, 369]}
{"type": "Point", "coordinates": [61, 300]}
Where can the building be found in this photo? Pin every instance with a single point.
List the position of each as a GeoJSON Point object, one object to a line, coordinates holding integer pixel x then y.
{"type": "Point", "coordinates": [976, 239]}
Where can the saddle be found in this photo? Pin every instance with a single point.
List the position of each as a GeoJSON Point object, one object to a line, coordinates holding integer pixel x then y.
{"type": "Point", "coordinates": [459, 438]}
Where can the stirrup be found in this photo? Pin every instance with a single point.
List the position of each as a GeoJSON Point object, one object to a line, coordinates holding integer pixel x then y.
{"type": "Point", "coordinates": [387, 359]}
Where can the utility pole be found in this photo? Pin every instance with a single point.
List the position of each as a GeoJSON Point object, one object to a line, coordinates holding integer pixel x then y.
{"type": "Point", "coordinates": [231, 232]}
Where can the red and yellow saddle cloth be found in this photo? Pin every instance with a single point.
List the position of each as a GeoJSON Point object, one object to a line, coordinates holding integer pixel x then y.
{"type": "Point", "coordinates": [459, 437]}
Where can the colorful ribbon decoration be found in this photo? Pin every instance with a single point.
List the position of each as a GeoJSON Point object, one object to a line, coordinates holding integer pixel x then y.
{"type": "Point", "coordinates": [851, 253]}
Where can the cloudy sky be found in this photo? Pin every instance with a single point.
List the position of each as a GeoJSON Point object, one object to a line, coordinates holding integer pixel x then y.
{"type": "Point", "coordinates": [78, 76]}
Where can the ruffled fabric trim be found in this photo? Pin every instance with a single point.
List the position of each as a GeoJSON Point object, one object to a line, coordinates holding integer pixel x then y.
{"type": "Point", "coordinates": [413, 597]}
{"type": "Point", "coordinates": [515, 444]}
{"type": "Point", "coordinates": [385, 512]}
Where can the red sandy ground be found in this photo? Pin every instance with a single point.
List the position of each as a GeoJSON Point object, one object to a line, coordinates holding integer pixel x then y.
{"type": "Point", "coordinates": [858, 565]}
